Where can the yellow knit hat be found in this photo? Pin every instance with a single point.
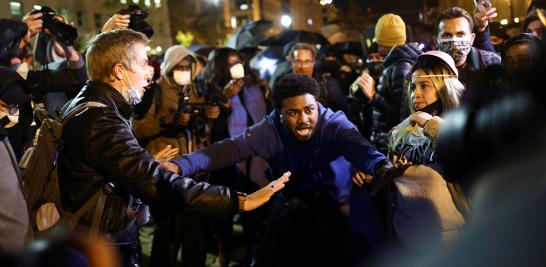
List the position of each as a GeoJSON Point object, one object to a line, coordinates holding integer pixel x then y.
{"type": "Point", "coordinates": [390, 30]}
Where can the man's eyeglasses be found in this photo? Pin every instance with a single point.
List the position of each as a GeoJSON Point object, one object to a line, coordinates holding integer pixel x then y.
{"type": "Point", "coordinates": [305, 63]}
{"type": "Point", "coordinates": [12, 109]}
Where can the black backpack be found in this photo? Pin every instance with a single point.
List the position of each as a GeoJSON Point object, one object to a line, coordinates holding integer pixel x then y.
{"type": "Point", "coordinates": [41, 184]}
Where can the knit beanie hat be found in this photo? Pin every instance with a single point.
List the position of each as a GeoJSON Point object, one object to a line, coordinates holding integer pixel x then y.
{"type": "Point", "coordinates": [390, 30]}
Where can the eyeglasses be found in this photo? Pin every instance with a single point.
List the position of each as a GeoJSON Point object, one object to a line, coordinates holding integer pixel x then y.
{"type": "Point", "coordinates": [306, 63]}
{"type": "Point", "coordinates": [12, 109]}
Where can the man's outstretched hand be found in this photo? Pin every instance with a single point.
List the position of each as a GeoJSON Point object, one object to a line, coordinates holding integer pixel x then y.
{"type": "Point", "coordinates": [388, 172]}
{"type": "Point", "coordinates": [260, 197]}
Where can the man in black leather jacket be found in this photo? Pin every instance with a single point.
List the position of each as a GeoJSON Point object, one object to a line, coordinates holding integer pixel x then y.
{"type": "Point", "coordinates": [99, 147]}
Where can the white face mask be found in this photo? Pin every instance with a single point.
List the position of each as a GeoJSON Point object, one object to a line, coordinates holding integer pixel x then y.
{"type": "Point", "coordinates": [237, 71]}
{"type": "Point", "coordinates": [23, 69]}
{"type": "Point", "coordinates": [131, 94]}
{"type": "Point", "coordinates": [182, 77]}
{"type": "Point", "coordinates": [13, 119]}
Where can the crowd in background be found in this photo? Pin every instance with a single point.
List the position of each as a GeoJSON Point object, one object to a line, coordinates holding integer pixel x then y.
{"type": "Point", "coordinates": [460, 119]}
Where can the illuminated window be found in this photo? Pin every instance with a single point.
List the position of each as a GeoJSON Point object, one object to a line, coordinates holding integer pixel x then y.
{"type": "Point", "coordinates": [157, 3]}
{"type": "Point", "coordinates": [79, 18]}
{"type": "Point", "coordinates": [98, 20]}
{"type": "Point", "coordinates": [148, 3]}
{"type": "Point", "coordinates": [16, 10]}
{"type": "Point", "coordinates": [123, 1]}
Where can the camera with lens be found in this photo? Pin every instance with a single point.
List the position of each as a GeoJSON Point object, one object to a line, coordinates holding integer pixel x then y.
{"type": "Point", "coordinates": [63, 33]}
{"type": "Point", "coordinates": [138, 20]}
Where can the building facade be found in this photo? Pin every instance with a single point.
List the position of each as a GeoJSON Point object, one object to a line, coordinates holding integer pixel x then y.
{"type": "Point", "coordinates": [509, 11]}
{"type": "Point", "coordinates": [88, 16]}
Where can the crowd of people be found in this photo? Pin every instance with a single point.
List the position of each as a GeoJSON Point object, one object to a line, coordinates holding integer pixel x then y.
{"type": "Point", "coordinates": [413, 153]}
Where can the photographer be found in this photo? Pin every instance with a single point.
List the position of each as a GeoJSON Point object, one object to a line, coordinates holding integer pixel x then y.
{"type": "Point", "coordinates": [57, 80]}
{"type": "Point", "coordinates": [179, 113]}
{"type": "Point", "coordinates": [133, 17]}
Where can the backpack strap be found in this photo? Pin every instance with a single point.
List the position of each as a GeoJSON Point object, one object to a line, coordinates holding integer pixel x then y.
{"type": "Point", "coordinates": [79, 108]}
{"type": "Point", "coordinates": [98, 200]}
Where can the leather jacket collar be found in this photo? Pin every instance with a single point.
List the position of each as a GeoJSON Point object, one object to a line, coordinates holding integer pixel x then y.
{"type": "Point", "coordinates": [106, 94]}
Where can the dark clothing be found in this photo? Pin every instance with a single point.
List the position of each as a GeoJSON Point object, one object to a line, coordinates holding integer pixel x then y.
{"type": "Point", "coordinates": [99, 147]}
{"type": "Point", "coordinates": [390, 104]}
{"type": "Point", "coordinates": [20, 134]}
{"type": "Point", "coordinates": [61, 76]}
{"type": "Point", "coordinates": [321, 163]}
{"type": "Point", "coordinates": [483, 40]}
{"type": "Point", "coordinates": [311, 162]}
{"type": "Point", "coordinates": [332, 96]}
{"type": "Point", "coordinates": [477, 60]}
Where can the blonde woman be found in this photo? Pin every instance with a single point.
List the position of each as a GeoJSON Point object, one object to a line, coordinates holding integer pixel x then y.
{"type": "Point", "coordinates": [427, 210]}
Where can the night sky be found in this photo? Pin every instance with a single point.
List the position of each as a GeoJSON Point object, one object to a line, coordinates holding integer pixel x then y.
{"type": "Point", "coordinates": [382, 5]}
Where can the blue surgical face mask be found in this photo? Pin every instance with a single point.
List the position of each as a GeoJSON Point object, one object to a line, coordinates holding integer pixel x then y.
{"type": "Point", "coordinates": [131, 94]}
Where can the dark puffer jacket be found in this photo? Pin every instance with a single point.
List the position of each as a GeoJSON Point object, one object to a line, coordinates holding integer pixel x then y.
{"type": "Point", "coordinates": [389, 104]}
{"type": "Point", "coordinates": [99, 146]}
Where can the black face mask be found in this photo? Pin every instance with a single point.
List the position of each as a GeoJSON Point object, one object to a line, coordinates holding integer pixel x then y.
{"type": "Point", "coordinates": [375, 68]}
{"type": "Point", "coordinates": [434, 109]}
{"type": "Point", "coordinates": [331, 66]}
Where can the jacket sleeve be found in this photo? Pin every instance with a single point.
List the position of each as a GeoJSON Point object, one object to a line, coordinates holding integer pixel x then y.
{"type": "Point", "coordinates": [114, 152]}
{"type": "Point", "coordinates": [254, 141]}
{"type": "Point", "coordinates": [354, 147]}
{"type": "Point", "coordinates": [391, 96]}
{"type": "Point", "coordinates": [483, 40]}
{"type": "Point", "coordinates": [66, 76]}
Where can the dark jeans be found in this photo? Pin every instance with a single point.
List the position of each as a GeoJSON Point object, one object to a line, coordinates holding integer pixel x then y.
{"type": "Point", "coordinates": [186, 231]}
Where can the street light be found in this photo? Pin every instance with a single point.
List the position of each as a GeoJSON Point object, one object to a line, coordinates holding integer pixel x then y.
{"type": "Point", "coordinates": [286, 21]}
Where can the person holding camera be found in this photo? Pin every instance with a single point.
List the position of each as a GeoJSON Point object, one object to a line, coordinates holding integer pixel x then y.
{"type": "Point", "coordinates": [179, 115]}
{"type": "Point", "coordinates": [62, 71]}
{"type": "Point", "coordinates": [133, 17]}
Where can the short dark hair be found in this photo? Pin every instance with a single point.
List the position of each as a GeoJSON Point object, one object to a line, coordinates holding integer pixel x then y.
{"type": "Point", "coordinates": [294, 84]}
{"type": "Point", "coordinates": [453, 13]}
{"type": "Point", "coordinates": [533, 42]}
{"type": "Point", "coordinates": [531, 16]}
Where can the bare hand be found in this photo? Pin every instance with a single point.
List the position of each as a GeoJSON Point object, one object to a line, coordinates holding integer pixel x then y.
{"type": "Point", "coordinates": [34, 22]}
{"type": "Point", "coordinates": [166, 154]}
{"type": "Point", "coordinates": [212, 112]}
{"type": "Point", "coordinates": [115, 22]}
{"type": "Point", "coordinates": [233, 87]}
{"type": "Point", "coordinates": [360, 178]}
{"type": "Point", "coordinates": [482, 18]}
{"type": "Point", "coordinates": [367, 85]}
{"type": "Point", "coordinates": [258, 198]}
{"type": "Point", "coordinates": [419, 118]}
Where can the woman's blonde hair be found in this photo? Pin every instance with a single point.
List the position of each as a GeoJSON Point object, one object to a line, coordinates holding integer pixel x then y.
{"type": "Point", "coordinates": [445, 82]}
